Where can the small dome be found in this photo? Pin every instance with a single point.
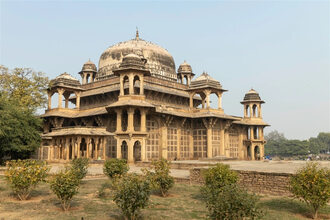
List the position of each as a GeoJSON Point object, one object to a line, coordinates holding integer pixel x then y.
{"type": "Point", "coordinates": [133, 61]}
{"type": "Point", "coordinates": [184, 68]}
{"type": "Point", "coordinates": [89, 66]}
{"type": "Point", "coordinates": [205, 81]}
{"type": "Point", "coordinates": [252, 95]}
{"type": "Point", "coordinates": [65, 79]}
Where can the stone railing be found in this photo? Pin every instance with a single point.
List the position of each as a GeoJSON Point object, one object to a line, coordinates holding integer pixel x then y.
{"type": "Point", "coordinates": [258, 182]}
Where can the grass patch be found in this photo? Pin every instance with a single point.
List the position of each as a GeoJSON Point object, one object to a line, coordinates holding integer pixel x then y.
{"type": "Point", "coordinates": [183, 202]}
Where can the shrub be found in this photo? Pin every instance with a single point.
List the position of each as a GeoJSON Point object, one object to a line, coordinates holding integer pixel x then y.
{"type": "Point", "coordinates": [65, 185]}
{"type": "Point", "coordinates": [160, 179]}
{"type": "Point", "coordinates": [217, 177]}
{"type": "Point", "coordinates": [24, 175]}
{"type": "Point", "coordinates": [233, 202]}
{"type": "Point", "coordinates": [80, 166]}
{"type": "Point", "coordinates": [115, 167]}
{"type": "Point", "coordinates": [131, 194]}
{"type": "Point", "coordinates": [312, 185]}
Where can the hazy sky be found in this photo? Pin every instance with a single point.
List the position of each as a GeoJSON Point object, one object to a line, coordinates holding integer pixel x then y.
{"type": "Point", "coordinates": [281, 49]}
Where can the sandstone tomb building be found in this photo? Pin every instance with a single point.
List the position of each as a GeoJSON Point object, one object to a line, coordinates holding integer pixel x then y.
{"type": "Point", "coordinates": [138, 107]}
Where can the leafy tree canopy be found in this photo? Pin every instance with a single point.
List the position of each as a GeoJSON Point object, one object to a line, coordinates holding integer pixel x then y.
{"type": "Point", "coordinates": [24, 86]}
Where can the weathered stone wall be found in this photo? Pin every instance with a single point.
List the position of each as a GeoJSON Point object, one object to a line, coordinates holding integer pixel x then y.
{"type": "Point", "coordinates": [258, 182]}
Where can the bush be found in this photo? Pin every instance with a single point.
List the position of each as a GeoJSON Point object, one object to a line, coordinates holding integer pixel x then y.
{"type": "Point", "coordinates": [160, 179]}
{"type": "Point", "coordinates": [80, 167]}
{"type": "Point", "coordinates": [65, 185]}
{"type": "Point", "coordinates": [312, 185]}
{"type": "Point", "coordinates": [131, 194]}
{"type": "Point", "coordinates": [24, 175]}
{"type": "Point", "coordinates": [218, 177]}
{"type": "Point", "coordinates": [233, 202]}
{"type": "Point", "coordinates": [115, 167]}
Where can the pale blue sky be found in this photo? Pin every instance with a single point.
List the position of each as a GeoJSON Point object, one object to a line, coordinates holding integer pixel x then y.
{"type": "Point", "coordinates": [281, 49]}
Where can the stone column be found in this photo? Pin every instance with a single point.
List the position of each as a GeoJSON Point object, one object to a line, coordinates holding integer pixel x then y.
{"type": "Point", "coordinates": [130, 158]}
{"type": "Point", "coordinates": [251, 110]}
{"type": "Point", "coordinates": [143, 120]}
{"type": "Point", "coordinates": [78, 147]}
{"type": "Point", "coordinates": [50, 94]}
{"type": "Point", "coordinates": [252, 151]}
{"type": "Point", "coordinates": [141, 85]}
{"type": "Point", "coordinates": [67, 147]}
{"type": "Point", "coordinates": [240, 145]}
{"type": "Point", "coordinates": [191, 100]}
{"type": "Point", "coordinates": [164, 142]}
{"type": "Point", "coordinates": [121, 78]}
{"type": "Point", "coordinates": [207, 93]}
{"type": "Point", "coordinates": [251, 133]}
{"type": "Point", "coordinates": [259, 111]}
{"type": "Point", "coordinates": [78, 99]}
{"type": "Point", "coordinates": [103, 147]}
{"type": "Point", "coordinates": [209, 142]}
{"type": "Point", "coordinates": [97, 149]}
{"type": "Point", "coordinates": [119, 142]}
{"type": "Point", "coordinates": [245, 112]}
{"type": "Point", "coordinates": [219, 100]}
{"type": "Point", "coordinates": [131, 84]}
{"type": "Point", "coordinates": [143, 149]}
{"type": "Point", "coordinates": [130, 124]}
{"type": "Point", "coordinates": [60, 94]}
{"type": "Point", "coordinates": [118, 112]}
{"type": "Point", "coordinates": [84, 78]}
{"type": "Point", "coordinates": [222, 139]}
{"type": "Point", "coordinates": [88, 146]}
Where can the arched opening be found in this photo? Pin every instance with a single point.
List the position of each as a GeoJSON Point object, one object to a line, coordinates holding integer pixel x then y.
{"type": "Point", "coordinates": [136, 83]}
{"type": "Point", "coordinates": [137, 120]}
{"type": "Point", "coordinates": [249, 152]}
{"type": "Point", "coordinates": [126, 85]}
{"type": "Point", "coordinates": [256, 153]}
{"type": "Point", "coordinates": [95, 123]}
{"type": "Point", "coordinates": [185, 80]}
{"type": "Point", "coordinates": [213, 101]}
{"type": "Point", "coordinates": [124, 150]}
{"type": "Point", "coordinates": [72, 124]}
{"type": "Point", "coordinates": [201, 103]}
{"type": "Point", "coordinates": [83, 148]}
{"type": "Point", "coordinates": [255, 133]}
{"type": "Point", "coordinates": [137, 151]}
{"type": "Point", "coordinates": [93, 151]}
{"type": "Point", "coordinates": [124, 120]}
{"type": "Point", "coordinates": [87, 78]}
{"type": "Point", "coordinates": [255, 110]}
{"type": "Point", "coordinates": [247, 110]}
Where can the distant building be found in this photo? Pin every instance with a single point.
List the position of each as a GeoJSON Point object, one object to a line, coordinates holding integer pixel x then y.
{"type": "Point", "coordinates": [136, 106]}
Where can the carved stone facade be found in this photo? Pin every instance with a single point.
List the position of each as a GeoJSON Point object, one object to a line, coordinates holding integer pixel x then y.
{"type": "Point", "coordinates": [136, 107]}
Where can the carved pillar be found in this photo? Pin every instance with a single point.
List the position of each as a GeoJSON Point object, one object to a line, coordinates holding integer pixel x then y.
{"type": "Point", "coordinates": [60, 92]}
{"type": "Point", "coordinates": [143, 150]}
{"type": "Point", "coordinates": [252, 152]}
{"type": "Point", "coordinates": [131, 84]}
{"type": "Point", "coordinates": [104, 146]}
{"type": "Point", "coordinates": [222, 139]}
{"type": "Point", "coordinates": [130, 158]}
{"type": "Point", "coordinates": [130, 124]}
{"type": "Point", "coordinates": [121, 78]}
{"type": "Point", "coordinates": [259, 111]}
{"type": "Point", "coordinates": [251, 110]}
{"type": "Point", "coordinates": [251, 133]}
{"type": "Point", "coordinates": [78, 99]}
{"type": "Point", "coordinates": [66, 96]}
{"type": "Point", "coordinates": [97, 149]}
{"type": "Point", "coordinates": [119, 142]}
{"type": "Point", "coordinates": [164, 142]}
{"type": "Point", "coordinates": [191, 100]}
{"type": "Point", "coordinates": [50, 94]}
{"type": "Point", "coordinates": [245, 112]}
{"type": "Point", "coordinates": [84, 78]}
{"type": "Point", "coordinates": [143, 120]}
{"type": "Point", "coordinates": [219, 100]}
{"type": "Point", "coordinates": [119, 112]}
{"type": "Point", "coordinates": [78, 147]}
{"type": "Point", "coordinates": [207, 93]}
{"type": "Point", "coordinates": [141, 85]}
{"type": "Point", "coordinates": [88, 147]}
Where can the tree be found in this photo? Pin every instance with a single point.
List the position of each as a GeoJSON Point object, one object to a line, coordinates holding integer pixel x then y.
{"type": "Point", "coordinates": [274, 136]}
{"type": "Point", "coordinates": [320, 144]}
{"type": "Point", "coordinates": [312, 185]}
{"type": "Point", "coordinates": [19, 130]}
{"type": "Point", "coordinates": [24, 87]}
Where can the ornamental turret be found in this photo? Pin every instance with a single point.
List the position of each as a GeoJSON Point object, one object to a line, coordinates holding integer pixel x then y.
{"type": "Point", "coordinates": [185, 73]}
{"type": "Point", "coordinates": [88, 72]}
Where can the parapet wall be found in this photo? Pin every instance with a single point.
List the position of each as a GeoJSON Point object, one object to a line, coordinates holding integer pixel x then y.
{"type": "Point", "coordinates": [258, 182]}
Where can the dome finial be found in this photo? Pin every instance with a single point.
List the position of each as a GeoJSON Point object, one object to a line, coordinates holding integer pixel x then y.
{"type": "Point", "coordinates": [137, 34]}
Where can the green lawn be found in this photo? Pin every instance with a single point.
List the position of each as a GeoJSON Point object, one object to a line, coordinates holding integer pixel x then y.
{"type": "Point", "coordinates": [183, 203]}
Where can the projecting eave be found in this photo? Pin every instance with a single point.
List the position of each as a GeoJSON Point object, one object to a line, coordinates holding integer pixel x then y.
{"type": "Point", "coordinates": [73, 113]}
{"type": "Point", "coordinates": [72, 131]}
{"type": "Point", "coordinates": [136, 103]}
{"type": "Point", "coordinates": [244, 122]}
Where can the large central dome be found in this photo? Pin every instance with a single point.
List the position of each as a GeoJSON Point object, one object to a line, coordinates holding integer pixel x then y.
{"type": "Point", "coordinates": [160, 63]}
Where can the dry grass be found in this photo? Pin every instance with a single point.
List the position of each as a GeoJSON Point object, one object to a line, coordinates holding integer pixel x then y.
{"type": "Point", "coordinates": [184, 202]}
